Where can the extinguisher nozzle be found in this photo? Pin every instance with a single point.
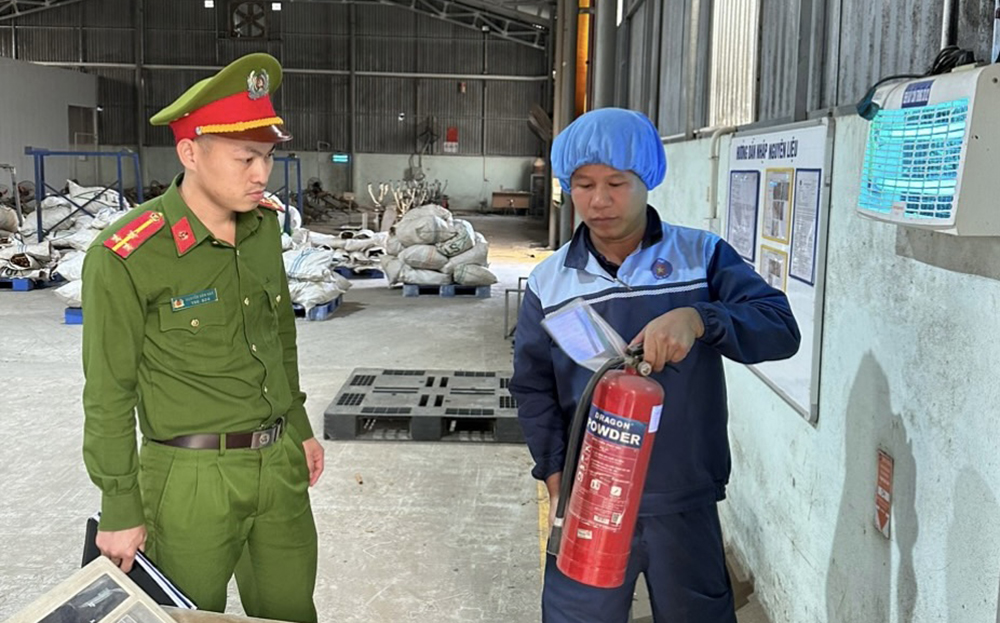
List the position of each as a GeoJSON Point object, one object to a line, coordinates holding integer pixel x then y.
{"type": "Point", "coordinates": [555, 537]}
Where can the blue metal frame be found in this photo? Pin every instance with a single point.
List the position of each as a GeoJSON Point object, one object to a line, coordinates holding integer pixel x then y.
{"type": "Point", "coordinates": [283, 192]}
{"type": "Point", "coordinates": [41, 185]}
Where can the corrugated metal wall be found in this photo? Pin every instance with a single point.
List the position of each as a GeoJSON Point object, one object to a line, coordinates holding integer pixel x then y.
{"type": "Point", "coordinates": [856, 42]}
{"type": "Point", "coordinates": [451, 108]}
{"type": "Point", "coordinates": [732, 90]}
{"type": "Point", "coordinates": [117, 94]}
{"type": "Point", "coordinates": [313, 40]}
{"type": "Point", "coordinates": [779, 41]}
{"type": "Point", "coordinates": [7, 42]}
{"type": "Point", "coordinates": [506, 125]}
{"type": "Point", "coordinates": [860, 43]}
{"type": "Point", "coordinates": [672, 108]}
{"type": "Point", "coordinates": [639, 71]}
{"type": "Point", "coordinates": [658, 49]}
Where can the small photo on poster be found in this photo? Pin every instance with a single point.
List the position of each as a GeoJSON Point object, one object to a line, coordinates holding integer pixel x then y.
{"type": "Point", "coordinates": [774, 267]}
{"type": "Point", "coordinates": [778, 205]}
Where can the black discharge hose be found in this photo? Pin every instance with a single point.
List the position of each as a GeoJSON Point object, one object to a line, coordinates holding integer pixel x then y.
{"type": "Point", "coordinates": [573, 444]}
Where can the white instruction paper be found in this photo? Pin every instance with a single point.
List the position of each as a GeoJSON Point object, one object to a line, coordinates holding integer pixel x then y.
{"type": "Point", "coordinates": [583, 335]}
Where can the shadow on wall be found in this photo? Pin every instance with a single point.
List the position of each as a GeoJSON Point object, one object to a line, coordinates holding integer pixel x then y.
{"type": "Point", "coordinates": [859, 580]}
{"type": "Point", "coordinates": [972, 548]}
{"type": "Point", "coordinates": [965, 255]}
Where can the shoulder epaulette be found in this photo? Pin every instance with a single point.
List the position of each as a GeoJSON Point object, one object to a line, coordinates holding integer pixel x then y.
{"type": "Point", "coordinates": [129, 238]}
{"type": "Point", "coordinates": [270, 204]}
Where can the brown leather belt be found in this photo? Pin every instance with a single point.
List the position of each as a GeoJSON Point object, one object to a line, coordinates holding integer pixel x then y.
{"type": "Point", "coordinates": [234, 441]}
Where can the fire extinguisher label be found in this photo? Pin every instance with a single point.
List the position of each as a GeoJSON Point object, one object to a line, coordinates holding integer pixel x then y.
{"type": "Point", "coordinates": [608, 459]}
{"type": "Point", "coordinates": [616, 429]}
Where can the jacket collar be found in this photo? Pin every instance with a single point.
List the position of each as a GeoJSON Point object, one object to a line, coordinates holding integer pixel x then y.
{"type": "Point", "coordinates": [581, 249]}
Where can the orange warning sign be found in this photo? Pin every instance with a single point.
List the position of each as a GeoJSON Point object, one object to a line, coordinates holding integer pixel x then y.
{"type": "Point", "coordinates": [883, 493]}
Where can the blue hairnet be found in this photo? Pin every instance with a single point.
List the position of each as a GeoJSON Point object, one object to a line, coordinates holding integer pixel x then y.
{"type": "Point", "coordinates": [622, 139]}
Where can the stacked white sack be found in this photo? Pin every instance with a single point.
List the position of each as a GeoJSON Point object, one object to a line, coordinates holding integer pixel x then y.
{"type": "Point", "coordinates": [71, 269]}
{"type": "Point", "coordinates": [69, 234]}
{"type": "Point", "coordinates": [311, 279]}
{"type": "Point", "coordinates": [358, 251]}
{"type": "Point", "coordinates": [431, 247]}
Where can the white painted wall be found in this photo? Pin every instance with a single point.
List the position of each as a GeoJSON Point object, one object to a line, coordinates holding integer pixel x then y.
{"type": "Point", "coordinates": [471, 179]}
{"type": "Point", "coordinates": [910, 320]}
{"type": "Point", "coordinates": [34, 111]}
{"type": "Point", "coordinates": [467, 183]}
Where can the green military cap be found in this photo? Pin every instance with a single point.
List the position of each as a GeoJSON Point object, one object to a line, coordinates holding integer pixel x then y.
{"type": "Point", "coordinates": [234, 103]}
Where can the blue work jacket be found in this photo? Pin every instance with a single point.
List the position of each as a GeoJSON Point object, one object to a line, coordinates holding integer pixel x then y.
{"type": "Point", "coordinates": [746, 320]}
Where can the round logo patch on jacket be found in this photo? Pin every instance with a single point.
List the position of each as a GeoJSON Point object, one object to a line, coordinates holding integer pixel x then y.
{"type": "Point", "coordinates": [662, 268]}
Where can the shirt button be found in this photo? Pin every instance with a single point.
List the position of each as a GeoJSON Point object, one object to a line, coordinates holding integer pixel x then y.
{"type": "Point", "coordinates": [195, 323]}
{"type": "Point", "coordinates": [237, 251]}
{"type": "Point", "coordinates": [253, 347]}
{"type": "Point", "coordinates": [265, 389]}
{"type": "Point", "coordinates": [246, 301]}
{"type": "Point", "coordinates": [215, 243]}
{"type": "Point", "coordinates": [277, 299]}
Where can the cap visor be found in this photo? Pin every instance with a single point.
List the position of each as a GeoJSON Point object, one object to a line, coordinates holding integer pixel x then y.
{"type": "Point", "coordinates": [266, 134]}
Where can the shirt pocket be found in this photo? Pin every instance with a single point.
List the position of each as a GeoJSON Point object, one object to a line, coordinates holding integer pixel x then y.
{"type": "Point", "coordinates": [273, 304]}
{"type": "Point", "coordinates": [200, 321]}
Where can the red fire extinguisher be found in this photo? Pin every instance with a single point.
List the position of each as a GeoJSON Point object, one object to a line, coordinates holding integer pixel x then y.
{"type": "Point", "coordinates": [610, 443]}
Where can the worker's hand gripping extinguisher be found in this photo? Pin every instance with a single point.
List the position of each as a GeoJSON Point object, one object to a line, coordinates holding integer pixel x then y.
{"type": "Point", "coordinates": [607, 454]}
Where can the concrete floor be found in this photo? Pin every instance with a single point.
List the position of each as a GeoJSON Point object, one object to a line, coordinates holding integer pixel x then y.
{"type": "Point", "coordinates": [437, 532]}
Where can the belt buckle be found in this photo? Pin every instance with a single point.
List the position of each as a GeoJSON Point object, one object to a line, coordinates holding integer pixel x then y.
{"type": "Point", "coordinates": [264, 438]}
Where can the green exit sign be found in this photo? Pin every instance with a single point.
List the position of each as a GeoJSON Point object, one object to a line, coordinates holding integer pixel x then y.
{"type": "Point", "coordinates": [340, 158]}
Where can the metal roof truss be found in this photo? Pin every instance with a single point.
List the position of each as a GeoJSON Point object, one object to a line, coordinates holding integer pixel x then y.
{"type": "Point", "coordinates": [12, 9]}
{"type": "Point", "coordinates": [528, 30]}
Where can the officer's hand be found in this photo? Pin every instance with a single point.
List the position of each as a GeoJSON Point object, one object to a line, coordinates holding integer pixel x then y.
{"type": "Point", "coordinates": [669, 338]}
{"type": "Point", "coordinates": [121, 545]}
{"type": "Point", "coordinates": [314, 459]}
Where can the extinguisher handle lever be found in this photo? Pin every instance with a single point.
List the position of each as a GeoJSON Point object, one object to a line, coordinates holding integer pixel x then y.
{"type": "Point", "coordinates": [634, 358]}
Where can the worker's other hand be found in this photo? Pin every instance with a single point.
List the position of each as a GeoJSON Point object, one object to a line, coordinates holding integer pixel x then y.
{"type": "Point", "coordinates": [669, 338]}
{"type": "Point", "coordinates": [120, 546]}
{"type": "Point", "coordinates": [314, 459]}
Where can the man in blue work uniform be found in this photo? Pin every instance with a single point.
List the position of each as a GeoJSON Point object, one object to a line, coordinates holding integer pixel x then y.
{"type": "Point", "coordinates": [691, 300]}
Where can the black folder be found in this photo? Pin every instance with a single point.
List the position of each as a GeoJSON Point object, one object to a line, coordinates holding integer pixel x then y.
{"type": "Point", "coordinates": [144, 573]}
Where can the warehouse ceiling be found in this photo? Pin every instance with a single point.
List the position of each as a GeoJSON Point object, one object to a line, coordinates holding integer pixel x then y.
{"type": "Point", "coordinates": [522, 21]}
{"type": "Point", "coordinates": [9, 9]}
{"type": "Point", "coordinates": [529, 8]}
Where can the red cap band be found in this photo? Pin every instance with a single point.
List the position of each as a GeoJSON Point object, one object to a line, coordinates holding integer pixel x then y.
{"type": "Point", "coordinates": [235, 113]}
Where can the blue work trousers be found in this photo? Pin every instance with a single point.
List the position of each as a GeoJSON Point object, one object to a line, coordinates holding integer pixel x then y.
{"type": "Point", "coordinates": [682, 558]}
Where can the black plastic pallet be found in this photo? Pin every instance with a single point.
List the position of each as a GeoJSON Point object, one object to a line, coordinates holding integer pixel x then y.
{"type": "Point", "coordinates": [447, 291]}
{"type": "Point", "coordinates": [363, 273]}
{"type": "Point", "coordinates": [378, 404]}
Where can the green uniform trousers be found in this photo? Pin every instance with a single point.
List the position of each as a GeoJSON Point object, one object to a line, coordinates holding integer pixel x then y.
{"type": "Point", "coordinates": [206, 509]}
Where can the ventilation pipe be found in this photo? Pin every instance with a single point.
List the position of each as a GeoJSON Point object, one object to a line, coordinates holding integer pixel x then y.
{"type": "Point", "coordinates": [605, 30]}
{"type": "Point", "coordinates": [949, 24]}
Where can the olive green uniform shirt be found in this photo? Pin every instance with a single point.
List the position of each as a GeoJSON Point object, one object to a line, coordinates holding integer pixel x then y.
{"type": "Point", "coordinates": [191, 334]}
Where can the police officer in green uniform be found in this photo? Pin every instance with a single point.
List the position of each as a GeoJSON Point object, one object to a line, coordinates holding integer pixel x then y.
{"type": "Point", "coordinates": [189, 327]}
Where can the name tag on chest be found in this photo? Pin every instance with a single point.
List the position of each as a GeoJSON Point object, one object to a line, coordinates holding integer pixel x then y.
{"type": "Point", "coordinates": [188, 301]}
